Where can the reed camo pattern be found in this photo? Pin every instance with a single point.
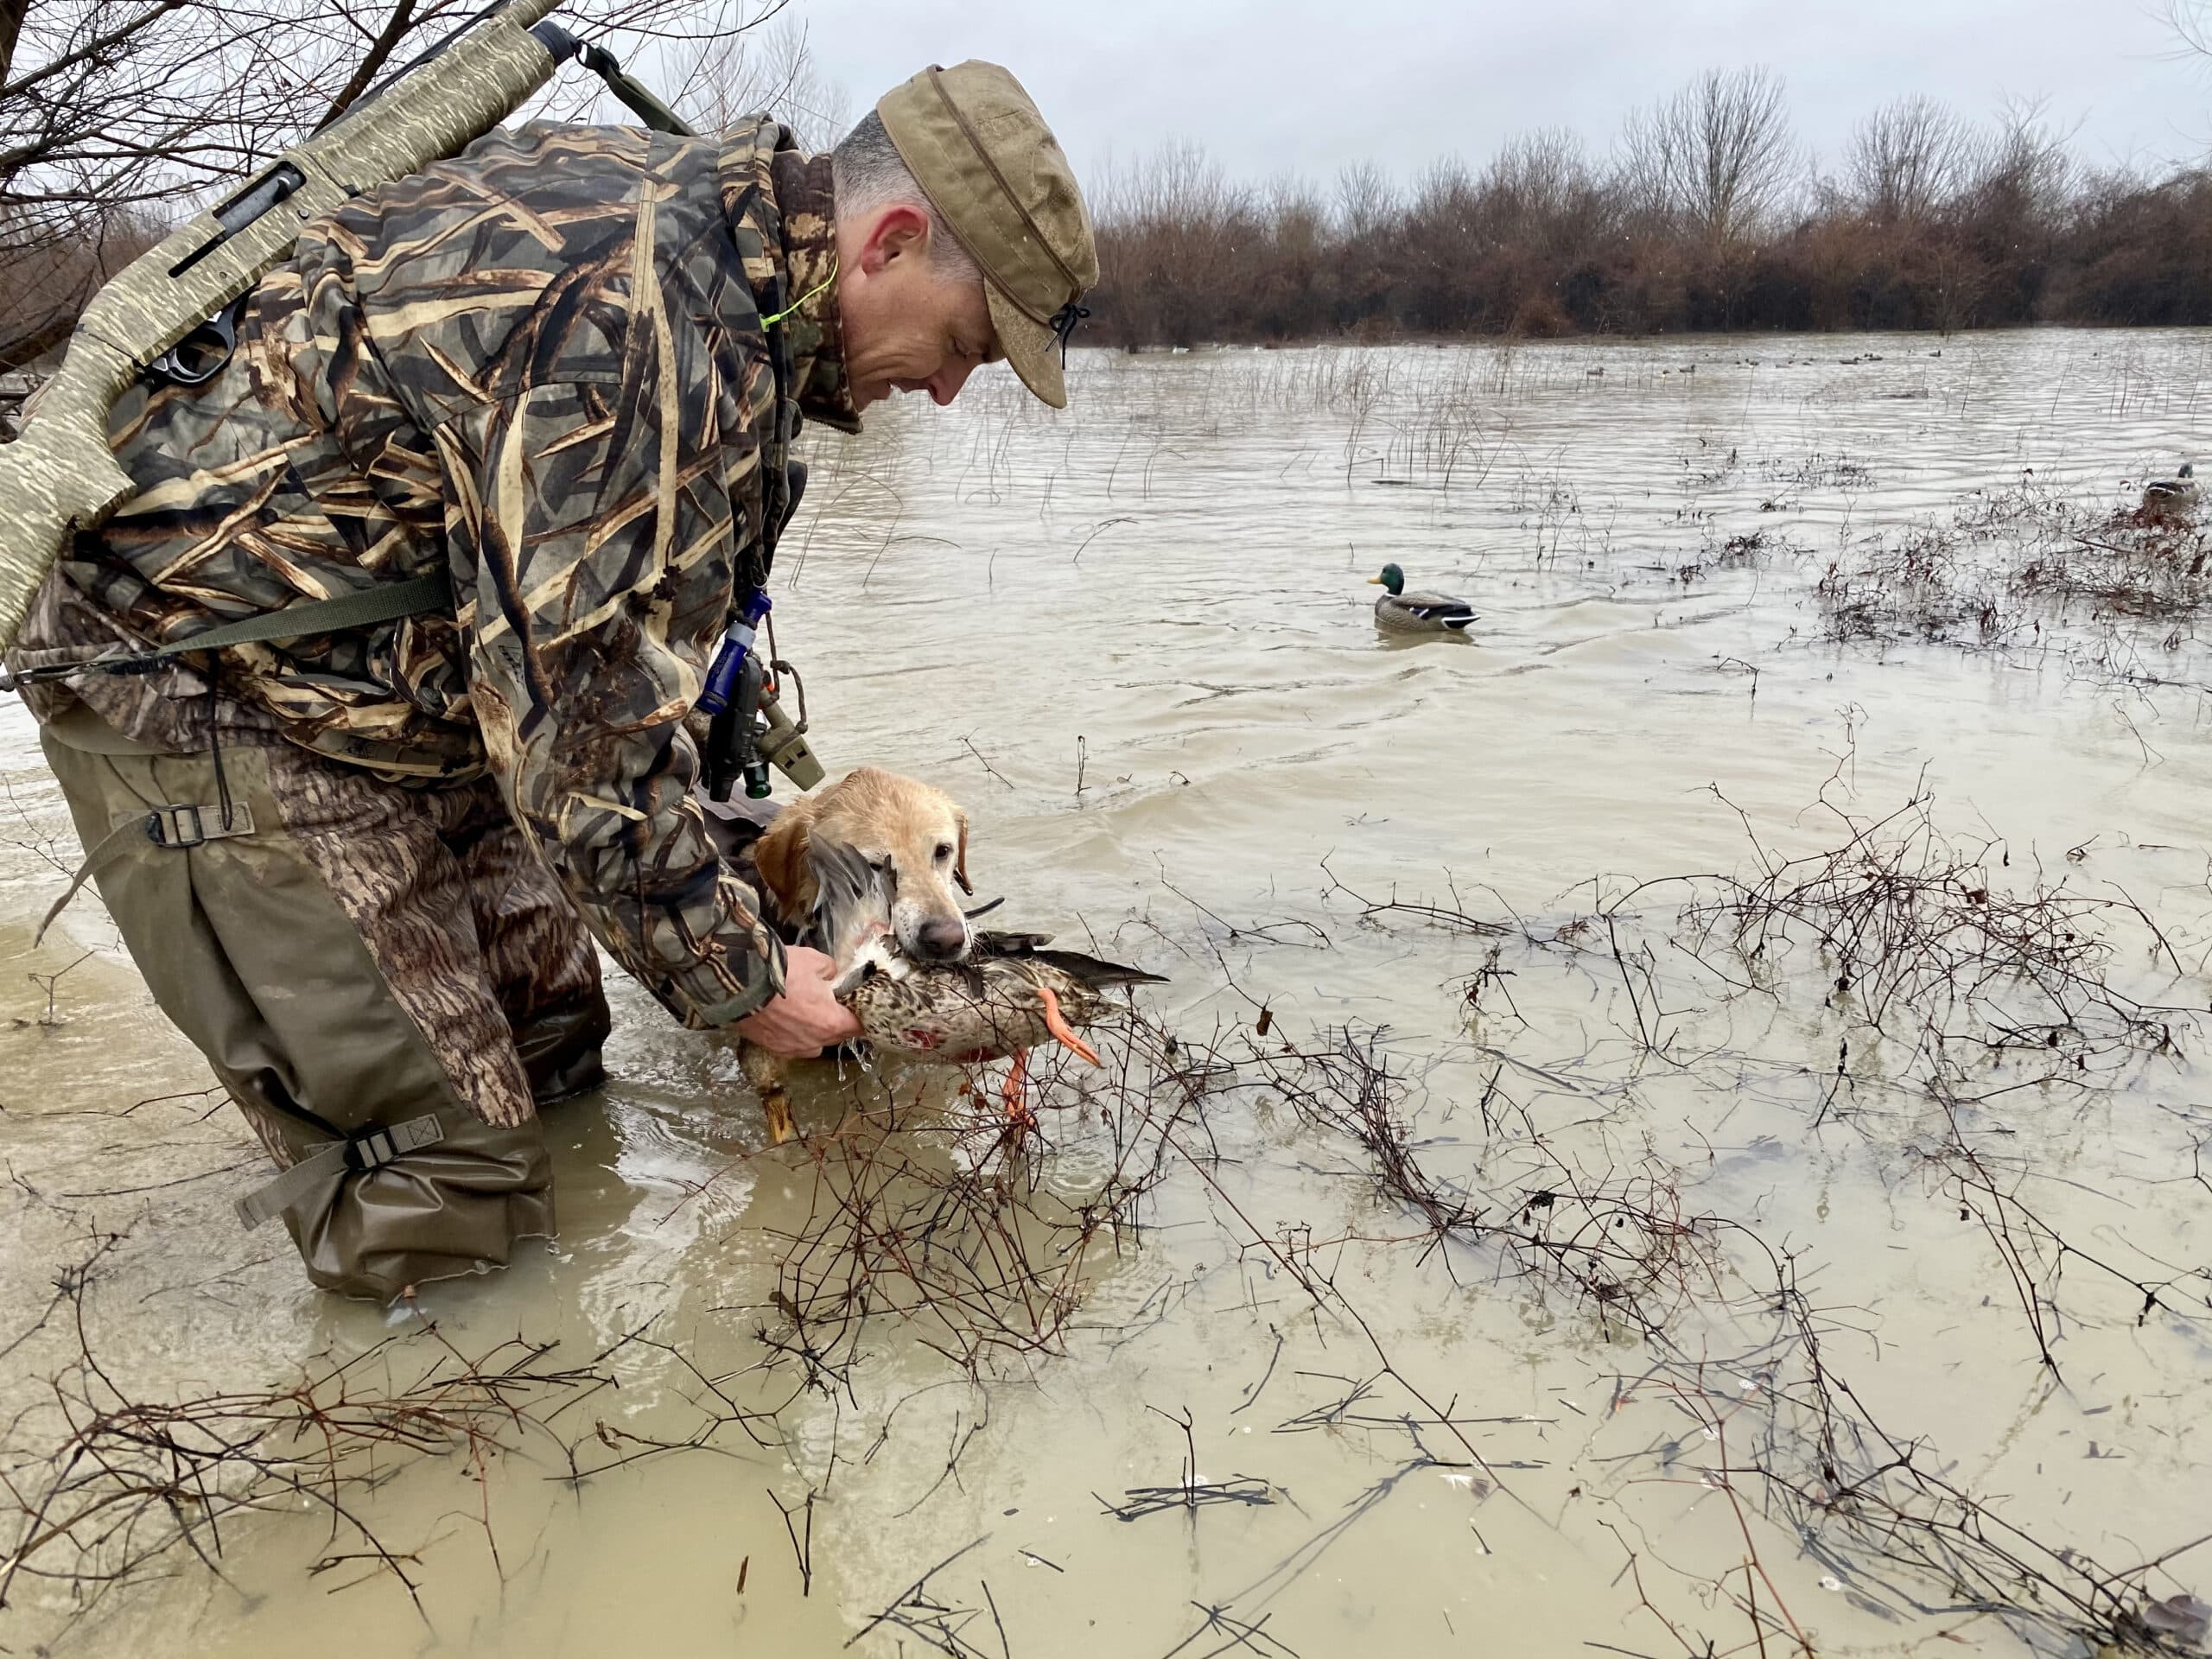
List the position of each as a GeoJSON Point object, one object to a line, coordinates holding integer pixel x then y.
{"type": "Point", "coordinates": [541, 366]}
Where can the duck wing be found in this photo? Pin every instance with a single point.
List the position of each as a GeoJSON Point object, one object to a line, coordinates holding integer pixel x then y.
{"type": "Point", "coordinates": [1437, 609]}
{"type": "Point", "coordinates": [989, 944]}
{"type": "Point", "coordinates": [1094, 971]}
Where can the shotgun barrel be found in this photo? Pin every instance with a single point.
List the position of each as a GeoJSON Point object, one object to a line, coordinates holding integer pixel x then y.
{"type": "Point", "coordinates": [60, 477]}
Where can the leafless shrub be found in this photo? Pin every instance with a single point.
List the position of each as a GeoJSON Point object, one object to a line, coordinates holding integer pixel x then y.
{"type": "Point", "coordinates": [2023, 565]}
{"type": "Point", "coordinates": [1979, 985]}
{"type": "Point", "coordinates": [121, 1483]}
{"type": "Point", "coordinates": [1622, 1240]}
{"type": "Point", "coordinates": [1882, 1511]}
{"type": "Point", "coordinates": [1745, 551]}
{"type": "Point", "coordinates": [1914, 584]}
{"type": "Point", "coordinates": [1777, 1430]}
{"type": "Point", "coordinates": [1921, 937]}
{"type": "Point", "coordinates": [952, 1219]}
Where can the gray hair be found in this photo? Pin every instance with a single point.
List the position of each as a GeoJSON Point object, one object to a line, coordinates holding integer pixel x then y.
{"type": "Point", "coordinates": [868, 173]}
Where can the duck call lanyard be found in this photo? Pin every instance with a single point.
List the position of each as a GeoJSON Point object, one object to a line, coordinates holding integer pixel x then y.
{"type": "Point", "coordinates": [736, 682]}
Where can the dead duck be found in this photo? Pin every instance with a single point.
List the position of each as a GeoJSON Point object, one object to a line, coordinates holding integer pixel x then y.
{"type": "Point", "coordinates": [1404, 612]}
{"type": "Point", "coordinates": [1011, 994]}
{"type": "Point", "coordinates": [2171, 498]}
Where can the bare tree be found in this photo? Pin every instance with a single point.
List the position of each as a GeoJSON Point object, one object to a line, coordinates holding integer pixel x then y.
{"type": "Point", "coordinates": [1182, 239]}
{"type": "Point", "coordinates": [1703, 221]}
{"type": "Point", "coordinates": [1540, 191]}
{"type": "Point", "coordinates": [1366, 200]}
{"type": "Point", "coordinates": [2026, 175]}
{"type": "Point", "coordinates": [1906, 159]}
{"type": "Point", "coordinates": [119, 116]}
{"type": "Point", "coordinates": [2191, 21]}
{"type": "Point", "coordinates": [771, 70]}
{"type": "Point", "coordinates": [1718, 158]}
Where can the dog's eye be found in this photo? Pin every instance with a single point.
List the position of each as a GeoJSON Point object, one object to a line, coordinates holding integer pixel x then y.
{"type": "Point", "coordinates": [943, 851]}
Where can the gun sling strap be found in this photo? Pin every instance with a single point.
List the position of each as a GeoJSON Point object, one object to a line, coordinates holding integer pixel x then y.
{"type": "Point", "coordinates": [385, 603]}
{"type": "Point", "coordinates": [179, 826]}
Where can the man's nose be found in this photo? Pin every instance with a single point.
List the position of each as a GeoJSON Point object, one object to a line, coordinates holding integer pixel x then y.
{"type": "Point", "coordinates": [945, 384]}
{"type": "Point", "coordinates": [944, 938]}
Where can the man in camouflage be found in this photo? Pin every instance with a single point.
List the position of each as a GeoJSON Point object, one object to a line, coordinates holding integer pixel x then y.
{"type": "Point", "coordinates": [566, 368]}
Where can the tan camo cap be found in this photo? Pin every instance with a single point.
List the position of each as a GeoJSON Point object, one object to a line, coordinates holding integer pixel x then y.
{"type": "Point", "coordinates": [990, 166]}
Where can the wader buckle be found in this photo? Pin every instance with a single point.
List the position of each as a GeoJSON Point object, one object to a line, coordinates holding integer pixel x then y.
{"type": "Point", "coordinates": [358, 1153]}
{"type": "Point", "coordinates": [177, 825]}
{"type": "Point", "coordinates": [370, 1149]}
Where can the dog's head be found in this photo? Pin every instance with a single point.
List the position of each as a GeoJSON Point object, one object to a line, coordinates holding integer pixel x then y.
{"type": "Point", "coordinates": [871, 850]}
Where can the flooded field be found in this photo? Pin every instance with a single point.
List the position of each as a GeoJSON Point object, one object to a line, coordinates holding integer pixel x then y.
{"type": "Point", "coordinates": [1676, 1128]}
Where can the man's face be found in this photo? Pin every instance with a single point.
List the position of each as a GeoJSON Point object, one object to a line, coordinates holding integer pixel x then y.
{"type": "Point", "coordinates": [905, 328]}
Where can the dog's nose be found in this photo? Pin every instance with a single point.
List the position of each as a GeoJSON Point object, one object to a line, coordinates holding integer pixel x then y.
{"type": "Point", "coordinates": [944, 938]}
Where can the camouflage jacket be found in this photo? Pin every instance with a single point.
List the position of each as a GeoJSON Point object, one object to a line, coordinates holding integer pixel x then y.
{"type": "Point", "coordinates": [543, 366]}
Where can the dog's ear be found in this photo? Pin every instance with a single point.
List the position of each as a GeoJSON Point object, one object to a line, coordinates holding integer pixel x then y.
{"type": "Point", "coordinates": [780, 856]}
{"type": "Point", "coordinates": [960, 863]}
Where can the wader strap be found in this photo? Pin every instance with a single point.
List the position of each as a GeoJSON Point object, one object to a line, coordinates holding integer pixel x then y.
{"type": "Point", "coordinates": [360, 1152]}
{"type": "Point", "coordinates": [178, 827]}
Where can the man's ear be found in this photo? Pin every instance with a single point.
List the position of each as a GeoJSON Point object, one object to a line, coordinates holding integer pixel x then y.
{"type": "Point", "coordinates": [900, 231]}
{"type": "Point", "coordinates": [960, 863]}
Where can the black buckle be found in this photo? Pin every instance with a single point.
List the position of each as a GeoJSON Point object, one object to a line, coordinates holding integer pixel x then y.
{"type": "Point", "coordinates": [178, 837]}
{"type": "Point", "coordinates": [370, 1149]}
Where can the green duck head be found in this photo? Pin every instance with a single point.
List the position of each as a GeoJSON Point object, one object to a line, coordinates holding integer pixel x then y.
{"type": "Point", "coordinates": [1392, 577]}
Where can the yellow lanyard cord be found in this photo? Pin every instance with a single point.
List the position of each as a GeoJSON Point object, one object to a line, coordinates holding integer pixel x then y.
{"type": "Point", "coordinates": [770, 322]}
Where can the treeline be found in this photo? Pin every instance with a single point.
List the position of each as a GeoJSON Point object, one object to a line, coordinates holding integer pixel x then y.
{"type": "Point", "coordinates": [1707, 215]}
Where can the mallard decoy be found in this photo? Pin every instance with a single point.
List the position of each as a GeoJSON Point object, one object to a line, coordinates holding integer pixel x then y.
{"type": "Point", "coordinates": [1404, 612]}
{"type": "Point", "coordinates": [1010, 995]}
{"type": "Point", "coordinates": [2171, 498]}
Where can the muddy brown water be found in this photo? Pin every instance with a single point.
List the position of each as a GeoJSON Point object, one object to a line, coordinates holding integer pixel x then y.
{"type": "Point", "coordinates": [1135, 642]}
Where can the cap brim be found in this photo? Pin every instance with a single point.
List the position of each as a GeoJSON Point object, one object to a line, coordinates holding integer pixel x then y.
{"type": "Point", "coordinates": [1030, 346]}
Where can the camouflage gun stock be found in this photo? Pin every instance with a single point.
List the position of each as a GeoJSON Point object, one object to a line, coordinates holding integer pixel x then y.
{"type": "Point", "coordinates": [59, 476]}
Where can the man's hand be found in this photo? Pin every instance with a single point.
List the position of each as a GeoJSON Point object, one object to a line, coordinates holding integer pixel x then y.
{"type": "Point", "coordinates": [806, 1019]}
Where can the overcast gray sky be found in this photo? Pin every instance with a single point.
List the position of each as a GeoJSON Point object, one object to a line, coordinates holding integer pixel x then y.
{"type": "Point", "coordinates": [1308, 87]}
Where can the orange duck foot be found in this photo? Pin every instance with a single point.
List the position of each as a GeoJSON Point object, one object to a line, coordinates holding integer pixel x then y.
{"type": "Point", "coordinates": [1014, 1091]}
{"type": "Point", "coordinates": [1064, 1033]}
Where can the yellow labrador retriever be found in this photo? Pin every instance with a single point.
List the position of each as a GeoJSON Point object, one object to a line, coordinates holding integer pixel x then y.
{"type": "Point", "coordinates": [871, 854]}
